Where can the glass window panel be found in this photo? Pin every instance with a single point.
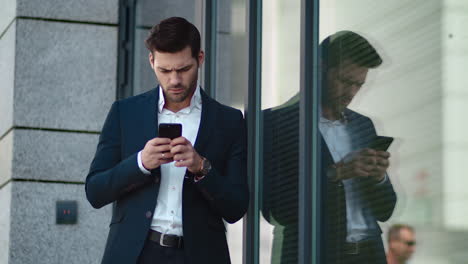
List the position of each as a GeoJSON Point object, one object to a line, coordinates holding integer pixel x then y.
{"type": "Point", "coordinates": [280, 112]}
{"type": "Point", "coordinates": [149, 13]}
{"type": "Point", "coordinates": [231, 81]}
{"type": "Point", "coordinates": [231, 53]}
{"type": "Point", "coordinates": [416, 96]}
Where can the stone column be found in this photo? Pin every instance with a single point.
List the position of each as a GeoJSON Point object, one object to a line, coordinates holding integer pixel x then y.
{"type": "Point", "coordinates": [58, 65]}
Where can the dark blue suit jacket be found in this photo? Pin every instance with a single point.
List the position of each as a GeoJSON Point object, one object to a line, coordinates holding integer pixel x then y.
{"type": "Point", "coordinates": [378, 200]}
{"type": "Point", "coordinates": [115, 177]}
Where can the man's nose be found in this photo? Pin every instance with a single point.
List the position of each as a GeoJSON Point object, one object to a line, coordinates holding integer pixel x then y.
{"type": "Point", "coordinates": [174, 78]}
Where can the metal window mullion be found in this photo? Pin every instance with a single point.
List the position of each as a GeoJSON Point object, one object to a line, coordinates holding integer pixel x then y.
{"type": "Point", "coordinates": [126, 48]}
{"type": "Point", "coordinates": [310, 183]}
{"type": "Point", "coordinates": [211, 21]}
{"type": "Point", "coordinates": [253, 116]}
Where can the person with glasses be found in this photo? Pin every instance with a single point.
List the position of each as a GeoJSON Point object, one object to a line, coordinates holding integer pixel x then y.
{"type": "Point", "coordinates": [401, 244]}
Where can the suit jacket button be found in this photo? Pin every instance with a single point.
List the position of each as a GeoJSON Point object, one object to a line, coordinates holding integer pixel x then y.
{"type": "Point", "coordinates": [149, 214]}
{"type": "Point", "coordinates": [156, 179]}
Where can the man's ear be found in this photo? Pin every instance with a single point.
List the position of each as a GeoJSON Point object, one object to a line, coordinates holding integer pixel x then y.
{"type": "Point", "coordinates": [201, 58]}
{"type": "Point", "coordinates": [151, 59]}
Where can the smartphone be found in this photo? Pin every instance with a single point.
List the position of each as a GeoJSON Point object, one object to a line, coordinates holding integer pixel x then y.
{"type": "Point", "coordinates": [381, 143]}
{"type": "Point", "coordinates": [170, 130]}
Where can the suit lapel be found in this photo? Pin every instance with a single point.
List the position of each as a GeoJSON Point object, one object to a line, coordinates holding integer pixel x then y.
{"type": "Point", "coordinates": [207, 122]}
{"type": "Point", "coordinates": [150, 120]}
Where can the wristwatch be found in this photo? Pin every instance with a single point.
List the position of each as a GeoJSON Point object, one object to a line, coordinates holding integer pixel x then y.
{"type": "Point", "coordinates": [205, 168]}
{"type": "Point", "coordinates": [332, 171]}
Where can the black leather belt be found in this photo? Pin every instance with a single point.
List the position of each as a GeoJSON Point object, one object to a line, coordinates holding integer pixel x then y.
{"type": "Point", "coordinates": [354, 248]}
{"type": "Point", "coordinates": [166, 240]}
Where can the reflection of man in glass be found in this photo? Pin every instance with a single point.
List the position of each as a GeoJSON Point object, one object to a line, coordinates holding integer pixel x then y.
{"type": "Point", "coordinates": [359, 192]}
{"type": "Point", "coordinates": [401, 244]}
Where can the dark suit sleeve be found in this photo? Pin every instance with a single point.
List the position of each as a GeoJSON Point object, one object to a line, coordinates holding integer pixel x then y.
{"type": "Point", "coordinates": [280, 167]}
{"type": "Point", "coordinates": [110, 176]}
{"type": "Point", "coordinates": [381, 199]}
{"type": "Point", "coordinates": [227, 190]}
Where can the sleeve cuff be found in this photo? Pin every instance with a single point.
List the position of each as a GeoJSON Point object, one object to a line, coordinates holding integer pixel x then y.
{"type": "Point", "coordinates": [198, 178]}
{"type": "Point", "coordinates": [383, 181]}
{"type": "Point", "coordinates": [140, 165]}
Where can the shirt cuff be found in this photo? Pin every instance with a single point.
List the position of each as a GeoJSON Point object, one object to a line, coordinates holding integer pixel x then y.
{"type": "Point", "coordinates": [383, 181]}
{"type": "Point", "coordinates": [198, 178]}
{"type": "Point", "coordinates": [140, 165]}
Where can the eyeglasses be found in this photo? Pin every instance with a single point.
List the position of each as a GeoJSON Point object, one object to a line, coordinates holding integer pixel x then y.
{"type": "Point", "coordinates": [409, 243]}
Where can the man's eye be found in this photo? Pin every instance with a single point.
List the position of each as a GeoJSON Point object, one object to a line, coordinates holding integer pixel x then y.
{"type": "Point", "coordinates": [348, 82]}
{"type": "Point", "coordinates": [184, 69]}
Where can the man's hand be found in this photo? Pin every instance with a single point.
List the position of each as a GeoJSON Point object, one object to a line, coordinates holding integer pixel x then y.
{"type": "Point", "coordinates": [381, 165]}
{"type": "Point", "coordinates": [156, 152]}
{"type": "Point", "coordinates": [185, 155]}
{"type": "Point", "coordinates": [363, 163]}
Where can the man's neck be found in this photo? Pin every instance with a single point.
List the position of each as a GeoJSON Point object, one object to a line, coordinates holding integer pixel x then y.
{"type": "Point", "coordinates": [330, 113]}
{"type": "Point", "coordinates": [176, 107]}
{"type": "Point", "coordinates": [392, 259]}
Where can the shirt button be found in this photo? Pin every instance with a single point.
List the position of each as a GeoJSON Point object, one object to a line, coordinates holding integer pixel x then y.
{"type": "Point", "coordinates": [148, 214]}
{"type": "Point", "coordinates": [173, 188]}
{"type": "Point", "coordinates": [173, 226]}
{"type": "Point", "coordinates": [172, 212]}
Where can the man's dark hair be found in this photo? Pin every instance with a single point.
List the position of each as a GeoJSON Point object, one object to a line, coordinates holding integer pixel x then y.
{"type": "Point", "coordinates": [348, 46]}
{"type": "Point", "coordinates": [173, 35]}
{"type": "Point", "coordinates": [394, 231]}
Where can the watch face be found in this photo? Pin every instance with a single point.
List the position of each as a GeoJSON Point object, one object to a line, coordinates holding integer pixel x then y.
{"type": "Point", "coordinates": [206, 167]}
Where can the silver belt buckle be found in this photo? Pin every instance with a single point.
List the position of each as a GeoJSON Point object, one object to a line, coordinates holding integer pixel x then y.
{"type": "Point", "coordinates": [355, 249]}
{"type": "Point", "coordinates": [161, 240]}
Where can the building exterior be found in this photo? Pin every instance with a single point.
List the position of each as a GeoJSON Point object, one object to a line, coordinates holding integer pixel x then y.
{"type": "Point", "coordinates": [63, 63]}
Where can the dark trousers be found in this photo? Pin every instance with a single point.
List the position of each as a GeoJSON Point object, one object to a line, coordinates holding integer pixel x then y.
{"type": "Point", "coordinates": [363, 258]}
{"type": "Point", "coordinates": [372, 254]}
{"type": "Point", "coordinates": [153, 253]}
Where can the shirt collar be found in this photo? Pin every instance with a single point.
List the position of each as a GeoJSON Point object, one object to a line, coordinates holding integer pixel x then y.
{"type": "Point", "coordinates": [195, 102]}
{"type": "Point", "coordinates": [342, 121]}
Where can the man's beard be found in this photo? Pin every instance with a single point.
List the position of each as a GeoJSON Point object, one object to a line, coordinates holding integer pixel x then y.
{"type": "Point", "coordinates": [336, 103]}
{"type": "Point", "coordinates": [183, 96]}
{"type": "Point", "coordinates": [180, 97]}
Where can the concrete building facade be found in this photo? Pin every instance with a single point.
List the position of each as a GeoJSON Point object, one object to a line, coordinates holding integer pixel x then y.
{"type": "Point", "coordinates": [58, 63]}
{"type": "Point", "coordinates": [59, 74]}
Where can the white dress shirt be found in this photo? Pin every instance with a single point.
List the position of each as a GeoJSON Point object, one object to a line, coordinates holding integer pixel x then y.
{"type": "Point", "coordinates": [167, 217]}
{"type": "Point", "coordinates": [339, 143]}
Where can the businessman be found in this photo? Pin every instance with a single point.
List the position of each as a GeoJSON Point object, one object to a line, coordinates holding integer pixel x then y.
{"type": "Point", "coordinates": [170, 197]}
{"type": "Point", "coordinates": [357, 192]}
